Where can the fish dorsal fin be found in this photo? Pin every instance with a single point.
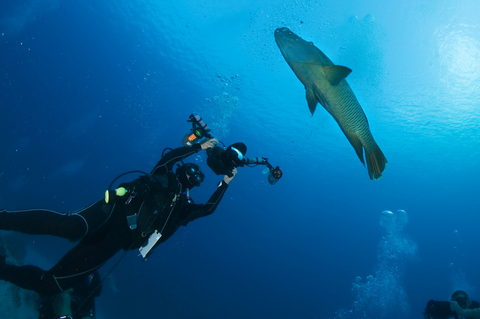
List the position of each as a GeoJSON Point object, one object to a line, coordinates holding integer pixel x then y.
{"type": "Point", "coordinates": [311, 100]}
{"type": "Point", "coordinates": [336, 73]}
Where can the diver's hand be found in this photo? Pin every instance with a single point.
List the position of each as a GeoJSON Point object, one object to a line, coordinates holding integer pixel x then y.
{"type": "Point", "coordinates": [228, 179]}
{"type": "Point", "coordinates": [455, 307]}
{"type": "Point", "coordinates": [209, 143]}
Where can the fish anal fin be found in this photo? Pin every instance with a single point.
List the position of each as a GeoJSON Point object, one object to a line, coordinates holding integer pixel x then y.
{"type": "Point", "coordinates": [335, 73]}
{"type": "Point", "coordinates": [311, 100]}
{"type": "Point", "coordinates": [356, 143]}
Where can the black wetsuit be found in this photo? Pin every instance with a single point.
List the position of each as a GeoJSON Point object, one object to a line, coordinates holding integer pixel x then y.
{"type": "Point", "coordinates": [157, 200]}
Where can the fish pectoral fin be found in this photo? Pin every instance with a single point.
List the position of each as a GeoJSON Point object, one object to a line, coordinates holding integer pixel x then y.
{"type": "Point", "coordinates": [335, 73]}
{"type": "Point", "coordinates": [311, 100]}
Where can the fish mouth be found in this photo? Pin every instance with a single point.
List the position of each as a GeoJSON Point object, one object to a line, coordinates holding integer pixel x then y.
{"type": "Point", "coordinates": [292, 46]}
{"type": "Point", "coordinates": [285, 40]}
{"type": "Point", "coordinates": [285, 33]}
{"type": "Point", "coordinates": [284, 37]}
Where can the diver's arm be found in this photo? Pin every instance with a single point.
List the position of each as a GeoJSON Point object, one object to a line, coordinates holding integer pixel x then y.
{"type": "Point", "coordinates": [467, 313]}
{"type": "Point", "coordinates": [196, 211]}
{"type": "Point", "coordinates": [168, 160]}
{"type": "Point", "coordinates": [166, 163]}
{"type": "Point", "coordinates": [470, 313]}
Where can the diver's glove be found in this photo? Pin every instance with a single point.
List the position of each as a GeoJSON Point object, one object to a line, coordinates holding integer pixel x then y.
{"type": "Point", "coordinates": [439, 310]}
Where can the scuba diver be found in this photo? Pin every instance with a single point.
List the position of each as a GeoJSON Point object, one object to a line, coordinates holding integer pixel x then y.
{"type": "Point", "coordinates": [459, 306]}
{"type": "Point", "coordinates": [137, 215]}
{"type": "Point", "coordinates": [75, 303]}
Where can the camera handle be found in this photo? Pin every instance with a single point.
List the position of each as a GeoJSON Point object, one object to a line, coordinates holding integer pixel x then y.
{"type": "Point", "coordinates": [199, 124]}
{"type": "Point", "coordinates": [199, 130]}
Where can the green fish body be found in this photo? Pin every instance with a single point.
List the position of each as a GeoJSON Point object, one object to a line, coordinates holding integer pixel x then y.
{"type": "Point", "coordinates": [325, 84]}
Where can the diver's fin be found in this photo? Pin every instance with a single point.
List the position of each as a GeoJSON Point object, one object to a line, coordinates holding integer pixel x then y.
{"type": "Point", "coordinates": [311, 100]}
{"type": "Point", "coordinates": [376, 162]}
{"type": "Point", "coordinates": [336, 73]}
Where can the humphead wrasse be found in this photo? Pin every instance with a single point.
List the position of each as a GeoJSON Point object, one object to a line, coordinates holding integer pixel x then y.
{"type": "Point", "coordinates": [325, 84]}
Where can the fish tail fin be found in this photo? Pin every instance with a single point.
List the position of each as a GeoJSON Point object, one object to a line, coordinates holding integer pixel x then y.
{"type": "Point", "coordinates": [376, 162]}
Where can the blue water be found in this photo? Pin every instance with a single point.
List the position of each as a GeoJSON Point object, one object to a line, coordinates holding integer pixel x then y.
{"type": "Point", "coordinates": [91, 89]}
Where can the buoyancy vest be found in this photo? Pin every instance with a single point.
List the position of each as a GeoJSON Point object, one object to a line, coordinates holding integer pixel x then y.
{"type": "Point", "coordinates": [147, 204]}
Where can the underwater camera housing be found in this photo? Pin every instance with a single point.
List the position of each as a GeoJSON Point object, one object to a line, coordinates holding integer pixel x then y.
{"type": "Point", "coordinates": [439, 310]}
{"type": "Point", "coordinates": [222, 161]}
